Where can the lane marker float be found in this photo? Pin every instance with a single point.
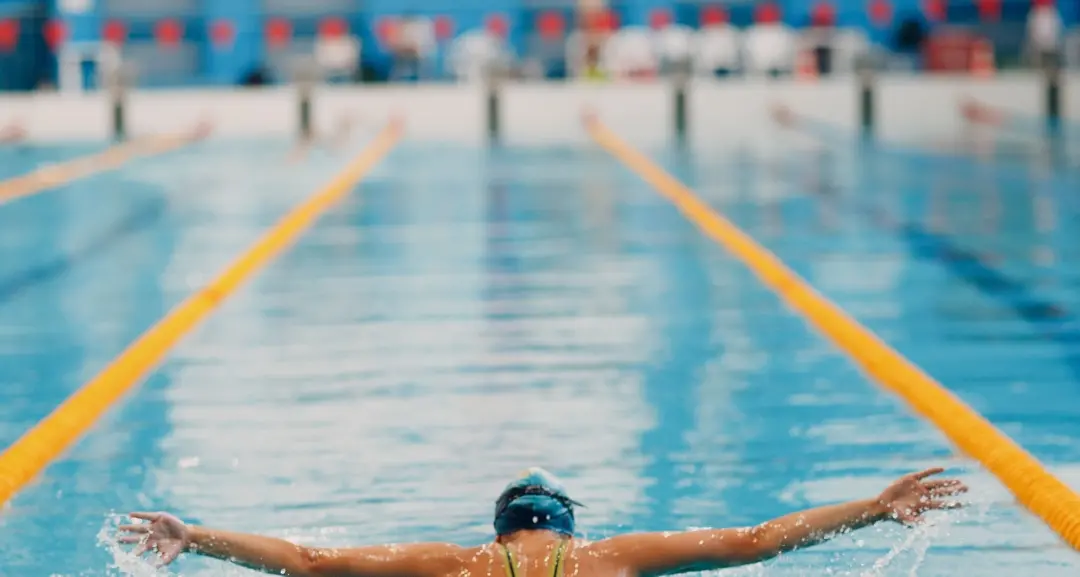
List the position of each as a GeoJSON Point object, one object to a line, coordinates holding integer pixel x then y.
{"type": "Point", "coordinates": [49, 177]}
{"type": "Point", "coordinates": [1034, 487]}
{"type": "Point", "coordinates": [54, 434]}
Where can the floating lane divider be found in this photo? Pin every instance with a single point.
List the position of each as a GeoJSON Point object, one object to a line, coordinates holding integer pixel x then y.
{"type": "Point", "coordinates": [979, 113]}
{"type": "Point", "coordinates": [55, 175]}
{"type": "Point", "coordinates": [28, 456]}
{"type": "Point", "coordinates": [1038, 490]}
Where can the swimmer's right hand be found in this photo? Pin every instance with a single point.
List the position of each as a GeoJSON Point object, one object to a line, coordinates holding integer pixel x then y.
{"type": "Point", "coordinates": [912, 495]}
{"type": "Point", "coordinates": [162, 533]}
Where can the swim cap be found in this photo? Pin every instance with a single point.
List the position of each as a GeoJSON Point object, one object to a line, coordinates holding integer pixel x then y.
{"type": "Point", "coordinates": [536, 500]}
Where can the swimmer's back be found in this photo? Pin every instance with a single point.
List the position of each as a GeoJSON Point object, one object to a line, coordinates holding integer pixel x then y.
{"type": "Point", "coordinates": [579, 558]}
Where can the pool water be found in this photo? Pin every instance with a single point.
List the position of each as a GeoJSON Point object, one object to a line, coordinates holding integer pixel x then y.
{"type": "Point", "coordinates": [470, 312]}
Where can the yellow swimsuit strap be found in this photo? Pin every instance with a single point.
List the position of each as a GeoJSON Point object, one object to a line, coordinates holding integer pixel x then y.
{"type": "Point", "coordinates": [556, 570]}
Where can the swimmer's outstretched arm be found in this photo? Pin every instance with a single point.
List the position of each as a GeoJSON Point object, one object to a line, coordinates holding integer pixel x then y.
{"type": "Point", "coordinates": [651, 554]}
{"type": "Point", "coordinates": [169, 537]}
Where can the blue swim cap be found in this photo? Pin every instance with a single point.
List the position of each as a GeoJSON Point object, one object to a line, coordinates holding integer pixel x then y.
{"type": "Point", "coordinates": [536, 500]}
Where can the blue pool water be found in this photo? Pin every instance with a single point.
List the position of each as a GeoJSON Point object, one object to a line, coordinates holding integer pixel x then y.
{"type": "Point", "coordinates": [16, 160]}
{"type": "Point", "coordinates": [467, 313]}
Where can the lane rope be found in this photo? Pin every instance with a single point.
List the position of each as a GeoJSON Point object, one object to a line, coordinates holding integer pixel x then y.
{"type": "Point", "coordinates": [54, 434]}
{"type": "Point", "coordinates": [49, 177]}
{"type": "Point", "coordinates": [1035, 488]}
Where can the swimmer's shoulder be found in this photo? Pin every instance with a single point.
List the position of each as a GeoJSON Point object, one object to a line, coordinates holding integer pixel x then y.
{"type": "Point", "coordinates": [599, 558]}
{"type": "Point", "coordinates": [449, 560]}
{"type": "Point", "coordinates": [583, 557]}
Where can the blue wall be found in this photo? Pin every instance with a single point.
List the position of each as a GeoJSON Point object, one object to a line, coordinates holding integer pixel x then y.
{"type": "Point", "coordinates": [216, 65]}
{"type": "Point", "coordinates": [22, 68]}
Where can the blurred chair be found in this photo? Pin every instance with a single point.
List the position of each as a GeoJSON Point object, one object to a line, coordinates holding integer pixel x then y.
{"type": "Point", "coordinates": [816, 44]}
{"type": "Point", "coordinates": [850, 47]}
{"type": "Point", "coordinates": [674, 46]}
{"type": "Point", "coordinates": [587, 46]}
{"type": "Point", "coordinates": [769, 46]}
{"type": "Point", "coordinates": [717, 45]}
{"type": "Point", "coordinates": [630, 53]}
{"type": "Point", "coordinates": [479, 54]}
{"type": "Point", "coordinates": [285, 54]}
{"type": "Point", "coordinates": [1044, 34]}
{"type": "Point", "coordinates": [546, 51]}
{"type": "Point", "coordinates": [337, 52]}
{"type": "Point", "coordinates": [85, 66]}
{"type": "Point", "coordinates": [415, 50]}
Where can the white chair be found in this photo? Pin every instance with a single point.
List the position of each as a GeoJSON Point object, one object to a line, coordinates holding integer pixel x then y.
{"type": "Point", "coordinates": [630, 52]}
{"type": "Point", "coordinates": [418, 36]}
{"type": "Point", "coordinates": [673, 46]}
{"type": "Point", "coordinates": [337, 57]}
{"type": "Point", "coordinates": [769, 47]}
{"type": "Point", "coordinates": [717, 47]}
{"type": "Point", "coordinates": [476, 54]}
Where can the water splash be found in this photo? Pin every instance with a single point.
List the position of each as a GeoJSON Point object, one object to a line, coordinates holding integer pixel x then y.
{"type": "Point", "coordinates": [916, 544]}
{"type": "Point", "coordinates": [124, 564]}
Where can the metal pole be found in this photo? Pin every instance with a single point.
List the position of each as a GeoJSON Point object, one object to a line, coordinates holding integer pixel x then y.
{"type": "Point", "coordinates": [113, 78]}
{"type": "Point", "coordinates": [306, 72]}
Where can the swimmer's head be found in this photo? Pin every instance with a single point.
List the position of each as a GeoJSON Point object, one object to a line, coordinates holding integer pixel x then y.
{"type": "Point", "coordinates": [536, 500]}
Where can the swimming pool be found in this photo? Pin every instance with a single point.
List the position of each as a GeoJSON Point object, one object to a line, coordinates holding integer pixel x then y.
{"type": "Point", "coordinates": [470, 312]}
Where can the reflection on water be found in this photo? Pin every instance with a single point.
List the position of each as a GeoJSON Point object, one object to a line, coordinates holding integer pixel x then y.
{"type": "Point", "coordinates": [469, 313]}
{"type": "Point", "coordinates": [412, 389]}
{"type": "Point", "coordinates": [84, 270]}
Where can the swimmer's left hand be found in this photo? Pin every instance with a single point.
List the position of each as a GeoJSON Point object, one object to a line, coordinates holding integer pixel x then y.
{"type": "Point", "coordinates": [164, 533]}
{"type": "Point", "coordinates": [912, 495]}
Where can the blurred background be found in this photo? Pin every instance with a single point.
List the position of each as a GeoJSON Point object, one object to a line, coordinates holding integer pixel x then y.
{"type": "Point", "coordinates": [44, 43]}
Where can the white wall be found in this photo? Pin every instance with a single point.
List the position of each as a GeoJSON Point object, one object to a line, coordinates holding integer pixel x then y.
{"type": "Point", "coordinates": [432, 112]}
{"type": "Point", "coordinates": [1071, 98]}
{"type": "Point", "coordinates": [721, 112]}
{"type": "Point", "coordinates": [235, 113]}
{"type": "Point", "coordinates": [551, 113]}
{"type": "Point", "coordinates": [55, 116]}
{"type": "Point", "coordinates": [917, 107]}
{"type": "Point", "coordinates": [438, 112]}
{"type": "Point", "coordinates": [739, 111]}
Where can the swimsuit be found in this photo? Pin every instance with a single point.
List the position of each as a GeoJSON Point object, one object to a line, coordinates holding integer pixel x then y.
{"type": "Point", "coordinates": [556, 570]}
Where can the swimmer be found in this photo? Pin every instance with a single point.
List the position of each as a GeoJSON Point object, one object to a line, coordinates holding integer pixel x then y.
{"type": "Point", "coordinates": [535, 536]}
